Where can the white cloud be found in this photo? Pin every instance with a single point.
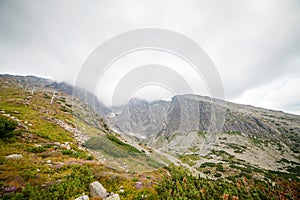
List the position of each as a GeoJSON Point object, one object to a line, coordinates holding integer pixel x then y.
{"type": "Point", "coordinates": [254, 44]}
{"type": "Point", "coordinates": [278, 95]}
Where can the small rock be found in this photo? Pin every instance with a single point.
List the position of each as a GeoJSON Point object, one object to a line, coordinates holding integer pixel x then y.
{"type": "Point", "coordinates": [121, 189]}
{"type": "Point", "coordinates": [56, 143]}
{"type": "Point", "coordinates": [21, 126]}
{"type": "Point", "coordinates": [66, 145]}
{"type": "Point", "coordinates": [10, 189]}
{"type": "Point", "coordinates": [273, 184]}
{"type": "Point", "coordinates": [48, 161]}
{"type": "Point", "coordinates": [97, 190]}
{"type": "Point", "coordinates": [16, 112]}
{"type": "Point", "coordinates": [113, 197]}
{"type": "Point", "coordinates": [138, 185]}
{"type": "Point", "coordinates": [38, 170]}
{"type": "Point", "coordinates": [14, 156]}
{"type": "Point", "coordinates": [83, 197]}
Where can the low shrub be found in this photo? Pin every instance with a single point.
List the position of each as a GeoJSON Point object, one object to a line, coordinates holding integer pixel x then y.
{"type": "Point", "coordinates": [70, 187]}
{"type": "Point", "coordinates": [7, 127]}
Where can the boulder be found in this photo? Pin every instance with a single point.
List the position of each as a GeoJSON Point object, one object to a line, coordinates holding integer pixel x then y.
{"type": "Point", "coordinates": [113, 197]}
{"type": "Point", "coordinates": [97, 190]}
{"type": "Point", "coordinates": [83, 197]}
{"type": "Point", "coordinates": [14, 156]}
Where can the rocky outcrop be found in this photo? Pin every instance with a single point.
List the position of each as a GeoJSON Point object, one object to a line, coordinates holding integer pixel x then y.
{"type": "Point", "coordinates": [194, 113]}
{"type": "Point", "coordinates": [97, 190]}
{"type": "Point", "coordinates": [140, 117]}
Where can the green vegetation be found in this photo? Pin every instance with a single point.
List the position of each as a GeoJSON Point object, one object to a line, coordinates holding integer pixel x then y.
{"type": "Point", "coordinates": [37, 149]}
{"type": "Point", "coordinates": [189, 159]}
{"type": "Point", "coordinates": [125, 146]}
{"type": "Point", "coordinates": [207, 164]}
{"type": "Point", "coordinates": [226, 156]}
{"type": "Point", "coordinates": [134, 179]}
{"type": "Point", "coordinates": [237, 148]}
{"type": "Point", "coordinates": [112, 147]}
{"type": "Point", "coordinates": [46, 96]}
{"type": "Point", "coordinates": [271, 174]}
{"type": "Point", "coordinates": [233, 133]}
{"type": "Point", "coordinates": [77, 154]}
{"type": "Point", "coordinates": [108, 147]}
{"type": "Point", "coordinates": [201, 134]}
{"type": "Point", "coordinates": [258, 142]}
{"type": "Point", "coordinates": [65, 109]}
{"type": "Point", "coordinates": [7, 127]}
{"type": "Point", "coordinates": [220, 168]}
{"type": "Point", "coordinates": [69, 187]}
{"type": "Point", "coordinates": [182, 185]}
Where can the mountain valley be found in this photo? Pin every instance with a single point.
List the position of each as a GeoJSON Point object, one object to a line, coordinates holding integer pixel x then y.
{"type": "Point", "coordinates": [60, 132]}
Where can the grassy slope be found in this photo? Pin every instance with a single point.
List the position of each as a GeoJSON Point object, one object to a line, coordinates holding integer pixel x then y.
{"type": "Point", "coordinates": [38, 144]}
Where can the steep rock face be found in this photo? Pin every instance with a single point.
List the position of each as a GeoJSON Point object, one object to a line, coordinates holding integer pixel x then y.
{"type": "Point", "coordinates": [192, 113]}
{"type": "Point", "coordinates": [140, 117]}
{"type": "Point", "coordinates": [187, 113]}
{"type": "Point", "coordinates": [139, 113]}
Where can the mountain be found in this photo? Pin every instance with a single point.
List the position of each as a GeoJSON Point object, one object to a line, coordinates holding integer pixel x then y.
{"type": "Point", "coordinates": [65, 136]}
{"type": "Point", "coordinates": [186, 113]}
{"type": "Point", "coordinates": [83, 95]}
{"type": "Point", "coordinates": [210, 130]}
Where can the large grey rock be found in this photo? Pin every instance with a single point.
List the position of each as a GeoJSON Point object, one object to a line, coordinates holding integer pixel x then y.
{"type": "Point", "coordinates": [113, 197]}
{"type": "Point", "coordinates": [97, 190]}
{"type": "Point", "coordinates": [14, 156]}
{"type": "Point", "coordinates": [83, 197]}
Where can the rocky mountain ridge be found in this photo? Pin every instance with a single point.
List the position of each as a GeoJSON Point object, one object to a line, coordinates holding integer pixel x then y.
{"type": "Point", "coordinates": [176, 131]}
{"type": "Point", "coordinates": [185, 113]}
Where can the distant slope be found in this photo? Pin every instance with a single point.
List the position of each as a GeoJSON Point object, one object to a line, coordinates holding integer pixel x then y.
{"type": "Point", "coordinates": [185, 113]}
{"type": "Point", "coordinates": [250, 136]}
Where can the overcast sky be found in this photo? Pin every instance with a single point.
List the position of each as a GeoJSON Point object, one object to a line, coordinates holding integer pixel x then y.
{"type": "Point", "coordinates": [254, 44]}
